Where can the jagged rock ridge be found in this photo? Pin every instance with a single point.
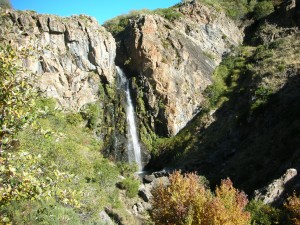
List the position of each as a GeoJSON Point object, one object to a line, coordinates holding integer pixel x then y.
{"type": "Point", "coordinates": [69, 55]}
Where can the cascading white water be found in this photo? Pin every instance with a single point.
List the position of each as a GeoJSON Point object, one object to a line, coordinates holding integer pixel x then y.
{"type": "Point", "coordinates": [134, 149]}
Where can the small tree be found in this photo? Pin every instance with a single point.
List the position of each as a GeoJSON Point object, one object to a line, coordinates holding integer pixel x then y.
{"type": "Point", "coordinates": [186, 201]}
{"type": "Point", "coordinates": [180, 201]}
{"type": "Point", "coordinates": [262, 9]}
{"type": "Point", "coordinates": [228, 207]}
{"type": "Point", "coordinates": [16, 95]}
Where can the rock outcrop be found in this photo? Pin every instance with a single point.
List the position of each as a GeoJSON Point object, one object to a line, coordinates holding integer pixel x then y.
{"type": "Point", "coordinates": [172, 61]}
{"type": "Point", "coordinates": [278, 189]}
{"type": "Point", "coordinates": [69, 55]}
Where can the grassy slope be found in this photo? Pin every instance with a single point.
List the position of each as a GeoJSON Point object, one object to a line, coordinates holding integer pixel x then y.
{"type": "Point", "coordinates": [65, 144]}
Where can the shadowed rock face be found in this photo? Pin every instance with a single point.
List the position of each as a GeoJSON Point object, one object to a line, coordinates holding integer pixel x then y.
{"type": "Point", "coordinates": [70, 55]}
{"type": "Point", "coordinates": [173, 61]}
{"type": "Point", "coordinates": [297, 13]}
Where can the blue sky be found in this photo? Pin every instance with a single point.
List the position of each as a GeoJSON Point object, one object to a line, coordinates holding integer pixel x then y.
{"type": "Point", "coordinates": [100, 9]}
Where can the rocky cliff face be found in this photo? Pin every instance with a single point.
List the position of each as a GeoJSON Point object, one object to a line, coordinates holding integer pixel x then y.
{"type": "Point", "coordinates": [172, 61]}
{"type": "Point", "coordinates": [69, 55]}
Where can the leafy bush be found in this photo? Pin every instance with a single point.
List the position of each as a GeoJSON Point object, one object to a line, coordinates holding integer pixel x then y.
{"type": "Point", "coordinates": [23, 177]}
{"type": "Point", "coordinates": [119, 23]}
{"type": "Point", "coordinates": [127, 169]}
{"type": "Point", "coordinates": [116, 25]}
{"type": "Point", "coordinates": [74, 118]}
{"type": "Point", "coordinates": [262, 214]}
{"type": "Point", "coordinates": [262, 9]}
{"type": "Point", "coordinates": [234, 9]}
{"type": "Point", "coordinates": [92, 113]}
{"type": "Point", "coordinates": [261, 96]}
{"type": "Point", "coordinates": [293, 207]}
{"type": "Point", "coordinates": [16, 95]}
{"type": "Point", "coordinates": [225, 79]}
{"type": "Point", "coordinates": [186, 201]}
{"type": "Point", "coordinates": [131, 186]}
{"type": "Point", "coordinates": [214, 92]}
{"type": "Point", "coordinates": [183, 199]}
{"type": "Point", "coordinates": [227, 207]}
{"type": "Point", "coordinates": [106, 173]}
{"type": "Point", "coordinates": [41, 212]}
{"type": "Point", "coordinates": [168, 13]}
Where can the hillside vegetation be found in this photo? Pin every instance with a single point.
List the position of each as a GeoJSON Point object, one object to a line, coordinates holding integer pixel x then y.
{"type": "Point", "coordinates": [236, 10]}
{"type": "Point", "coordinates": [246, 134]}
{"type": "Point", "coordinates": [52, 171]}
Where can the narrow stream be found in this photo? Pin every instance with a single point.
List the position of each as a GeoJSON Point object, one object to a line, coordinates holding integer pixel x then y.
{"type": "Point", "coordinates": [133, 147]}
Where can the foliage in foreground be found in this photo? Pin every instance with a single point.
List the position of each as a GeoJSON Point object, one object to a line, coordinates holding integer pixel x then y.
{"type": "Point", "coordinates": [23, 177]}
{"type": "Point", "coordinates": [62, 174]}
{"type": "Point", "coordinates": [51, 171]}
{"type": "Point", "coordinates": [16, 95]}
{"type": "Point", "coordinates": [186, 201]}
{"type": "Point", "coordinates": [263, 214]}
{"type": "Point", "coordinates": [23, 174]}
{"type": "Point", "coordinates": [293, 207]}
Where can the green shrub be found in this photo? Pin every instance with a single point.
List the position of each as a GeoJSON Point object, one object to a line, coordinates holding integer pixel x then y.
{"type": "Point", "coordinates": [92, 113]}
{"type": "Point", "coordinates": [116, 25]}
{"type": "Point", "coordinates": [234, 9]}
{"type": "Point", "coordinates": [25, 176]}
{"type": "Point", "coordinates": [262, 214]}
{"type": "Point", "coordinates": [224, 79]}
{"type": "Point", "coordinates": [17, 96]}
{"type": "Point", "coordinates": [106, 173]}
{"type": "Point", "coordinates": [262, 9]}
{"type": "Point", "coordinates": [168, 13]}
{"type": "Point", "coordinates": [262, 52]}
{"type": "Point", "coordinates": [127, 169]}
{"type": "Point", "coordinates": [74, 118]}
{"type": "Point", "coordinates": [119, 23]}
{"type": "Point", "coordinates": [42, 212]}
{"type": "Point", "coordinates": [74, 149]}
{"type": "Point", "coordinates": [277, 43]}
{"type": "Point", "coordinates": [131, 186]}
{"type": "Point", "coordinates": [47, 105]}
{"type": "Point", "coordinates": [261, 95]}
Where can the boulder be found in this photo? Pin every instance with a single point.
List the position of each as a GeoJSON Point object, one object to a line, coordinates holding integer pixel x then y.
{"type": "Point", "coordinates": [274, 192]}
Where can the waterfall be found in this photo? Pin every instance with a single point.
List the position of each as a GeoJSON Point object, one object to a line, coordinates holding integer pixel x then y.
{"type": "Point", "coordinates": [133, 148]}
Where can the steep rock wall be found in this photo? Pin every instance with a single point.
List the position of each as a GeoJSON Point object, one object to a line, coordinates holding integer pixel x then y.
{"type": "Point", "coordinates": [172, 62]}
{"type": "Point", "coordinates": [71, 56]}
